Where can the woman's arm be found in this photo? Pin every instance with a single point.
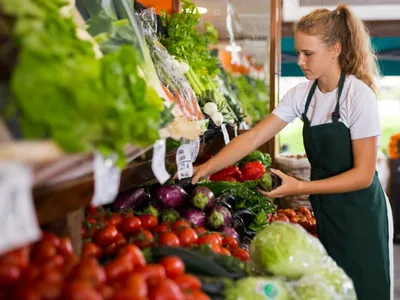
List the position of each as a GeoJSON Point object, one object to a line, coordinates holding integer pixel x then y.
{"type": "Point", "coordinates": [241, 146]}
{"type": "Point", "coordinates": [357, 178]}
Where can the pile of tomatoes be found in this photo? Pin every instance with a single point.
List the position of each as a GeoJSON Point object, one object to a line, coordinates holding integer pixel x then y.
{"type": "Point", "coordinates": [105, 233]}
{"type": "Point", "coordinates": [49, 270]}
{"type": "Point", "coordinates": [301, 216]}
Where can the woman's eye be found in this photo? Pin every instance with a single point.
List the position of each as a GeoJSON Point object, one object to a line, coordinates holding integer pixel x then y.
{"type": "Point", "coordinates": [308, 53]}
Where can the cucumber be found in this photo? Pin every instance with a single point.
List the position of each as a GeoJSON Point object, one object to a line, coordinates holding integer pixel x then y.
{"type": "Point", "coordinates": [195, 263]}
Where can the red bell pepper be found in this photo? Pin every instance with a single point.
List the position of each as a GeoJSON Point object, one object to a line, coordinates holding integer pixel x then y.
{"type": "Point", "coordinates": [227, 174]}
{"type": "Point", "coordinates": [252, 170]}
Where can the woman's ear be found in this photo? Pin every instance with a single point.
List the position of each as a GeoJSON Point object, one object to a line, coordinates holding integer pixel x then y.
{"type": "Point", "coordinates": [336, 50]}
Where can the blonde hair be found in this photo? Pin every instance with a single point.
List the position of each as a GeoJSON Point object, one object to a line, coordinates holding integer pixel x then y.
{"type": "Point", "coordinates": [341, 25]}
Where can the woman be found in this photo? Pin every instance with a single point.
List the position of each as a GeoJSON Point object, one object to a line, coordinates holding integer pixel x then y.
{"type": "Point", "coordinates": [341, 134]}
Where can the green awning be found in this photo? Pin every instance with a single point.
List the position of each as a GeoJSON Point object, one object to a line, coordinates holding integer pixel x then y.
{"type": "Point", "coordinates": [387, 48]}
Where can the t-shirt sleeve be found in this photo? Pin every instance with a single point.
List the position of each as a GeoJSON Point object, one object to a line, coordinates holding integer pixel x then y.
{"type": "Point", "coordinates": [286, 107]}
{"type": "Point", "coordinates": [364, 115]}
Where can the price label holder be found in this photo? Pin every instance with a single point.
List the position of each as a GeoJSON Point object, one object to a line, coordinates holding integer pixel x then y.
{"type": "Point", "coordinates": [19, 222]}
{"type": "Point", "coordinates": [184, 161]}
{"type": "Point", "coordinates": [225, 134]}
{"type": "Point", "coordinates": [158, 162]}
{"type": "Point", "coordinates": [106, 179]}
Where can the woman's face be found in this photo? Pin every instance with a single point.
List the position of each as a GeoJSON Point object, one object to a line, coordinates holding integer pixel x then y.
{"type": "Point", "coordinates": [314, 58]}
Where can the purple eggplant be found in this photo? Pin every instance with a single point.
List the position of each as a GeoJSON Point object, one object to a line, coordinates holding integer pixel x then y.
{"type": "Point", "coordinates": [171, 196]}
{"type": "Point", "coordinates": [219, 216]}
{"type": "Point", "coordinates": [195, 216]}
{"type": "Point", "coordinates": [131, 199]}
{"type": "Point", "coordinates": [230, 232]}
{"type": "Point", "coordinates": [203, 198]}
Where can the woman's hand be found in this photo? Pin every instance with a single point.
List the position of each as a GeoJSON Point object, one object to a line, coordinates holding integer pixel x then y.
{"type": "Point", "coordinates": [290, 186]}
{"type": "Point", "coordinates": [200, 172]}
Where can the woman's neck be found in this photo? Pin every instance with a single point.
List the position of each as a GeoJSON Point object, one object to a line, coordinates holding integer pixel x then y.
{"type": "Point", "coordinates": [329, 82]}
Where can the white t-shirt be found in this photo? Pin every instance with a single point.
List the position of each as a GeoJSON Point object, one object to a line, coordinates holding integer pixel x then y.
{"type": "Point", "coordinates": [358, 107]}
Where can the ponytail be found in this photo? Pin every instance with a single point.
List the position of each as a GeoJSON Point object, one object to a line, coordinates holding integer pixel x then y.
{"type": "Point", "coordinates": [341, 25]}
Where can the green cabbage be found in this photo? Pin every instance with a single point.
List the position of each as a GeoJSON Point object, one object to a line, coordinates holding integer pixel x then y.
{"type": "Point", "coordinates": [285, 249]}
{"type": "Point", "coordinates": [337, 278]}
{"type": "Point", "coordinates": [314, 287]}
{"type": "Point", "coordinates": [259, 288]}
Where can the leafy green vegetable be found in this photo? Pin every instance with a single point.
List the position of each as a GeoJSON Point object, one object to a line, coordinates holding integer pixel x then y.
{"type": "Point", "coordinates": [334, 276]}
{"type": "Point", "coordinates": [189, 44]}
{"type": "Point", "coordinates": [314, 287]}
{"type": "Point", "coordinates": [256, 155]}
{"type": "Point", "coordinates": [61, 91]}
{"type": "Point", "coordinates": [285, 249]}
{"type": "Point", "coordinates": [258, 288]}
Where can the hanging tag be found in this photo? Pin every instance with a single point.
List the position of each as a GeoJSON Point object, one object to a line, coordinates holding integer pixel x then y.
{"type": "Point", "coordinates": [184, 161]}
{"type": "Point", "coordinates": [158, 162]}
{"type": "Point", "coordinates": [243, 125]}
{"type": "Point", "coordinates": [106, 179]}
{"type": "Point", "coordinates": [225, 133]}
{"type": "Point", "coordinates": [195, 149]}
{"type": "Point", "coordinates": [235, 130]}
{"type": "Point", "coordinates": [17, 213]}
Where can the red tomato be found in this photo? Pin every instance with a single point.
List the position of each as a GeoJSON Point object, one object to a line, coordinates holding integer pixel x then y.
{"type": "Point", "coordinates": [51, 276]}
{"type": "Point", "coordinates": [134, 254]}
{"type": "Point", "coordinates": [106, 292]}
{"type": "Point", "coordinates": [115, 220]}
{"type": "Point", "coordinates": [305, 211]}
{"type": "Point", "coordinates": [289, 212]}
{"type": "Point", "coordinates": [225, 251]}
{"type": "Point", "coordinates": [137, 283]}
{"type": "Point", "coordinates": [196, 295]}
{"type": "Point", "coordinates": [109, 250]}
{"type": "Point", "coordinates": [208, 239]}
{"type": "Point", "coordinates": [130, 224]}
{"type": "Point", "coordinates": [163, 227]}
{"type": "Point", "coordinates": [230, 242]}
{"type": "Point", "coordinates": [18, 257]}
{"type": "Point", "coordinates": [121, 240]}
{"type": "Point", "coordinates": [106, 236]}
{"type": "Point", "coordinates": [69, 264]}
{"type": "Point", "coordinates": [166, 290]}
{"type": "Point", "coordinates": [200, 230]}
{"type": "Point", "coordinates": [65, 247]}
{"type": "Point", "coordinates": [144, 239]}
{"type": "Point", "coordinates": [9, 274]}
{"type": "Point", "coordinates": [283, 217]}
{"type": "Point", "coordinates": [215, 248]}
{"type": "Point", "coordinates": [168, 239]}
{"type": "Point", "coordinates": [49, 236]}
{"type": "Point", "coordinates": [127, 294]}
{"type": "Point", "coordinates": [48, 290]}
{"type": "Point", "coordinates": [188, 282]}
{"type": "Point", "coordinates": [187, 237]}
{"type": "Point", "coordinates": [218, 238]}
{"type": "Point", "coordinates": [152, 272]}
{"type": "Point", "coordinates": [84, 232]}
{"type": "Point", "coordinates": [118, 269]}
{"type": "Point", "coordinates": [241, 254]}
{"type": "Point", "coordinates": [90, 271]}
{"type": "Point", "coordinates": [91, 220]}
{"type": "Point", "coordinates": [80, 290]}
{"type": "Point", "coordinates": [91, 249]}
{"type": "Point", "coordinates": [173, 266]}
{"type": "Point", "coordinates": [44, 250]}
{"type": "Point", "coordinates": [148, 221]}
{"type": "Point", "coordinates": [91, 210]}
{"type": "Point", "coordinates": [294, 220]}
{"type": "Point", "coordinates": [54, 262]}
{"type": "Point", "coordinates": [178, 225]}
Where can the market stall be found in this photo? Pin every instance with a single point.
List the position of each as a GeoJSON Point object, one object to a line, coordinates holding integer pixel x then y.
{"type": "Point", "coordinates": [102, 102]}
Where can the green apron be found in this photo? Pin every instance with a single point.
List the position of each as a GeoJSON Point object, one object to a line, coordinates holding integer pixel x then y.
{"type": "Point", "coordinates": [353, 226]}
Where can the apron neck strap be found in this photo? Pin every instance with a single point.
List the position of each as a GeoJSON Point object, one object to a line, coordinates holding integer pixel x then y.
{"type": "Point", "coordinates": [336, 113]}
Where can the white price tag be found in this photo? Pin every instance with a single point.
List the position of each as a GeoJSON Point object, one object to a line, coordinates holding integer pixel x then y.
{"type": "Point", "coordinates": [158, 162]}
{"type": "Point", "coordinates": [225, 133]}
{"type": "Point", "coordinates": [106, 179]}
{"type": "Point", "coordinates": [195, 149]}
{"type": "Point", "coordinates": [17, 214]}
{"type": "Point", "coordinates": [243, 125]}
{"type": "Point", "coordinates": [235, 130]}
{"type": "Point", "coordinates": [184, 161]}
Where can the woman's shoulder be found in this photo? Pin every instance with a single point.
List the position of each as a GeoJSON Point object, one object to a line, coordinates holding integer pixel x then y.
{"type": "Point", "coordinates": [358, 89]}
{"type": "Point", "coordinates": [299, 90]}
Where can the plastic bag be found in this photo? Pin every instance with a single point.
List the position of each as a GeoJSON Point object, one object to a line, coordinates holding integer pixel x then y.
{"type": "Point", "coordinates": [170, 72]}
